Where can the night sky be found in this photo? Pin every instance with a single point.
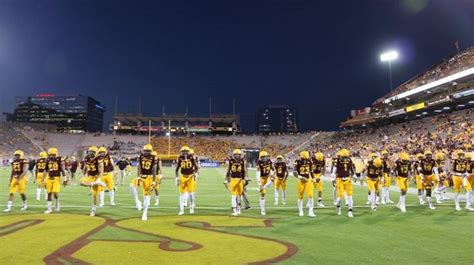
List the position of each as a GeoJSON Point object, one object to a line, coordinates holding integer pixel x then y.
{"type": "Point", "coordinates": [320, 56]}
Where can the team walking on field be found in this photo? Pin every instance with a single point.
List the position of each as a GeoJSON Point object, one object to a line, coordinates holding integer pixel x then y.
{"type": "Point", "coordinates": [430, 172]}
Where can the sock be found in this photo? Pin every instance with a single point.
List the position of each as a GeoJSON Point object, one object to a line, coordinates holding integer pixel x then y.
{"type": "Point", "coordinates": [262, 204]}
{"type": "Point", "coordinates": [456, 197]}
{"type": "Point", "coordinates": [49, 203]}
{"type": "Point", "coordinates": [191, 199]}
{"type": "Point", "coordinates": [101, 197]}
{"type": "Point", "coordinates": [57, 204]}
{"type": "Point", "coordinates": [233, 201]}
{"type": "Point", "coordinates": [157, 199]}
{"type": "Point", "coordinates": [283, 195]}
{"type": "Point", "coordinates": [468, 199]}
{"type": "Point", "coordinates": [349, 202]}
{"type": "Point", "coordinates": [38, 194]}
{"type": "Point", "coordinates": [133, 190]}
{"type": "Point", "coordinates": [338, 202]}
{"type": "Point", "coordinates": [24, 203]}
{"type": "Point", "coordinates": [402, 198]}
{"type": "Point", "coordinates": [372, 197]}
{"type": "Point", "coordinates": [146, 203]}
{"type": "Point", "coordinates": [181, 202]}
{"type": "Point", "coordinates": [276, 196]}
{"type": "Point", "coordinates": [311, 205]}
{"type": "Point", "coordinates": [112, 196]}
{"type": "Point", "coordinates": [300, 204]}
{"type": "Point", "coordinates": [94, 207]}
{"type": "Point", "coordinates": [9, 204]}
{"type": "Point", "coordinates": [420, 198]}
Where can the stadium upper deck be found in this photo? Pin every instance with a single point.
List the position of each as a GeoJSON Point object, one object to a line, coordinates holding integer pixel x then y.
{"type": "Point", "coordinates": [446, 87]}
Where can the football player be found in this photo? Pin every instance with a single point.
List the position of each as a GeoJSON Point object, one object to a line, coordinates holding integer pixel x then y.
{"type": "Point", "coordinates": [235, 177]}
{"type": "Point", "coordinates": [428, 170]}
{"type": "Point", "coordinates": [419, 182]}
{"type": "Point", "coordinates": [440, 186]}
{"type": "Point", "coordinates": [146, 176]}
{"type": "Point", "coordinates": [134, 192]}
{"type": "Point", "coordinates": [185, 169]}
{"type": "Point", "coordinates": [158, 178]}
{"type": "Point", "coordinates": [92, 176]}
{"type": "Point", "coordinates": [39, 168]}
{"type": "Point", "coordinates": [374, 175]}
{"type": "Point", "coordinates": [281, 170]}
{"type": "Point", "coordinates": [342, 173]}
{"type": "Point", "coordinates": [305, 182]}
{"type": "Point", "coordinates": [18, 179]}
{"type": "Point", "coordinates": [55, 169]}
{"type": "Point", "coordinates": [264, 176]}
{"type": "Point", "coordinates": [402, 170]}
{"type": "Point", "coordinates": [107, 177]}
{"type": "Point", "coordinates": [386, 180]}
{"type": "Point", "coordinates": [122, 165]}
{"type": "Point", "coordinates": [319, 166]}
{"type": "Point", "coordinates": [193, 185]}
{"type": "Point", "coordinates": [460, 179]}
{"type": "Point", "coordinates": [470, 168]}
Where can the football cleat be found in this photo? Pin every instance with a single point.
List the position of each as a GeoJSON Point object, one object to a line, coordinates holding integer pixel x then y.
{"type": "Point", "coordinates": [7, 210]}
{"type": "Point", "coordinates": [144, 217]}
{"type": "Point", "coordinates": [320, 204]}
{"type": "Point", "coordinates": [191, 210]}
{"type": "Point", "coordinates": [301, 213]}
{"type": "Point", "coordinates": [350, 214]}
{"type": "Point", "coordinates": [181, 212]}
{"type": "Point", "coordinates": [47, 211]}
{"type": "Point", "coordinates": [92, 213]}
{"type": "Point", "coordinates": [24, 207]}
{"type": "Point", "coordinates": [432, 207]}
{"type": "Point", "coordinates": [469, 208]}
{"type": "Point", "coordinates": [157, 202]}
{"type": "Point", "coordinates": [283, 202]}
{"type": "Point", "coordinates": [403, 209]}
{"type": "Point", "coordinates": [338, 210]}
{"type": "Point", "coordinates": [262, 212]}
{"type": "Point", "coordinates": [458, 208]}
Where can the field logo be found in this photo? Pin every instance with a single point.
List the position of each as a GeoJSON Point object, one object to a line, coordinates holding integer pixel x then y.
{"type": "Point", "coordinates": [78, 239]}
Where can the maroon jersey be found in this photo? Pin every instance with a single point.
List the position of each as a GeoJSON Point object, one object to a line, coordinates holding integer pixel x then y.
{"type": "Point", "coordinates": [92, 166]}
{"type": "Point", "coordinates": [280, 168]}
{"type": "Point", "coordinates": [53, 166]}
{"type": "Point", "coordinates": [402, 168]}
{"type": "Point", "coordinates": [385, 165]}
{"type": "Point", "coordinates": [373, 172]}
{"type": "Point", "coordinates": [459, 166]}
{"type": "Point", "coordinates": [318, 166]}
{"type": "Point", "coordinates": [236, 168]}
{"type": "Point", "coordinates": [40, 165]}
{"type": "Point", "coordinates": [18, 166]}
{"type": "Point", "coordinates": [187, 165]}
{"type": "Point", "coordinates": [344, 167]}
{"type": "Point", "coordinates": [74, 166]}
{"type": "Point", "coordinates": [146, 162]}
{"type": "Point", "coordinates": [108, 165]}
{"type": "Point", "coordinates": [265, 167]}
{"type": "Point", "coordinates": [427, 166]}
{"type": "Point", "coordinates": [303, 168]}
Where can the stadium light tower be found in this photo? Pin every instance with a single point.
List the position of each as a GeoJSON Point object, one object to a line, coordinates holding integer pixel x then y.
{"type": "Point", "coordinates": [389, 57]}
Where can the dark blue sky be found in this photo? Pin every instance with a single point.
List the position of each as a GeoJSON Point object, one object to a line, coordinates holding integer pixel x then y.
{"type": "Point", "coordinates": [320, 56]}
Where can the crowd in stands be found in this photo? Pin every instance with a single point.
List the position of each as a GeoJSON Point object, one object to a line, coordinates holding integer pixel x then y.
{"type": "Point", "coordinates": [460, 62]}
{"type": "Point", "coordinates": [444, 132]}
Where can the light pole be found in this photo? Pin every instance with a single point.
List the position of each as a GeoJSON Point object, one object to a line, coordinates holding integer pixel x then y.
{"type": "Point", "coordinates": [389, 57]}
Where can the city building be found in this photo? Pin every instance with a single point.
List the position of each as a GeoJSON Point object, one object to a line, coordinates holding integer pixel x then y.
{"type": "Point", "coordinates": [71, 113]}
{"type": "Point", "coordinates": [277, 119]}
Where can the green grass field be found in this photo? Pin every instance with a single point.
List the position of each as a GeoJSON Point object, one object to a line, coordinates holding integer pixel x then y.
{"type": "Point", "coordinates": [117, 236]}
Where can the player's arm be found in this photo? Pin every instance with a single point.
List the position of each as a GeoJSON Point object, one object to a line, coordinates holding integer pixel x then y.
{"type": "Point", "coordinates": [25, 170]}
{"type": "Point", "coordinates": [11, 177]}
{"type": "Point", "coordinates": [139, 168]}
{"type": "Point", "coordinates": [158, 171]}
{"type": "Point", "coordinates": [112, 163]}
{"type": "Point", "coordinates": [286, 174]}
{"type": "Point", "coordinates": [257, 174]}
{"type": "Point", "coordinates": [153, 170]}
{"type": "Point", "coordinates": [176, 172]}
{"type": "Point", "coordinates": [63, 172]}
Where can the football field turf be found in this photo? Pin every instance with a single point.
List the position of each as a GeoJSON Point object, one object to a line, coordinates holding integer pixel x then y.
{"type": "Point", "coordinates": [210, 236]}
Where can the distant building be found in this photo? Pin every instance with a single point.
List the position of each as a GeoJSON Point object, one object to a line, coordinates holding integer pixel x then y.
{"type": "Point", "coordinates": [74, 113]}
{"type": "Point", "coordinates": [277, 119]}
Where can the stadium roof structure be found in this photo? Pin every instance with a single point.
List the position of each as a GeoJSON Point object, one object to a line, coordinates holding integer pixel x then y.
{"type": "Point", "coordinates": [417, 84]}
{"type": "Point", "coordinates": [139, 118]}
